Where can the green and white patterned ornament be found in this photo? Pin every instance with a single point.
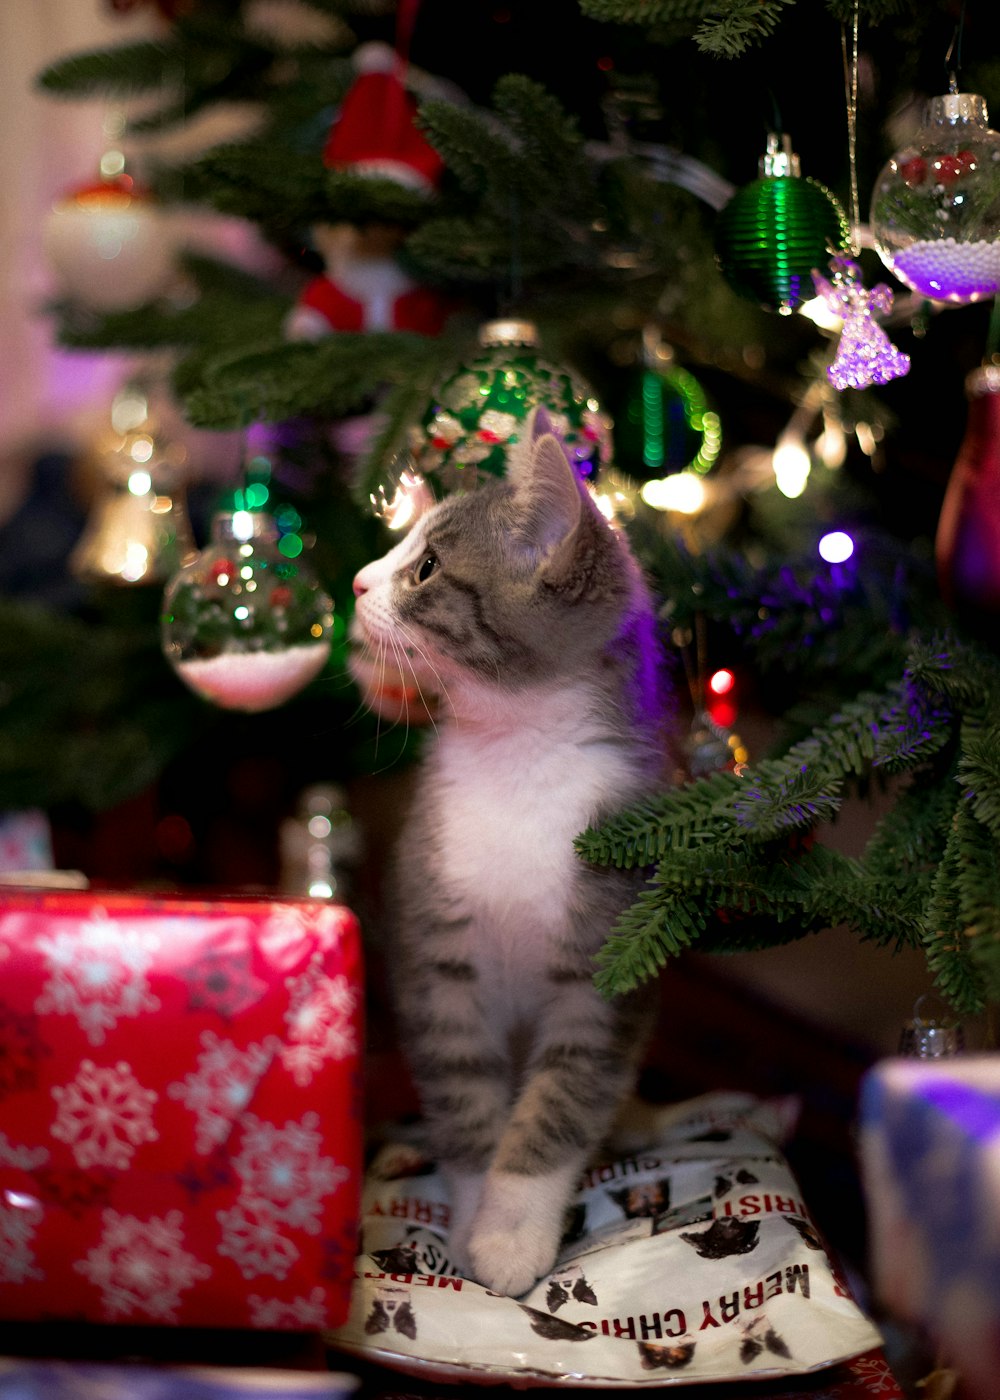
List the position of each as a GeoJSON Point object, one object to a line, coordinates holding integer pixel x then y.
{"type": "Point", "coordinates": [476, 415]}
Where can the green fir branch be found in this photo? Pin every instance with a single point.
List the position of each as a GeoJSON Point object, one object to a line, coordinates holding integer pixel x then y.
{"type": "Point", "coordinates": [796, 799]}
{"type": "Point", "coordinates": [965, 675]}
{"type": "Point", "coordinates": [733, 26]}
{"type": "Point", "coordinates": [946, 942]}
{"type": "Point", "coordinates": [909, 841]}
{"type": "Point", "coordinates": [334, 377]}
{"type": "Point", "coordinates": [654, 929]}
{"type": "Point", "coordinates": [544, 134]}
{"type": "Point", "coordinates": [726, 843]}
{"type": "Point", "coordinates": [886, 911]}
{"type": "Point", "coordinates": [674, 820]}
{"type": "Point", "coordinates": [842, 747]}
{"type": "Point", "coordinates": [979, 773]}
{"type": "Point", "coordinates": [979, 889]}
{"type": "Point", "coordinates": [470, 141]}
{"type": "Point", "coordinates": [125, 71]}
{"type": "Point", "coordinates": [281, 189]}
{"type": "Point", "coordinates": [646, 12]}
{"type": "Point", "coordinates": [911, 731]}
{"type": "Point", "coordinates": [102, 694]}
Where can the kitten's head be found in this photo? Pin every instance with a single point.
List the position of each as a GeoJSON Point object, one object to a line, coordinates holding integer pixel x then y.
{"type": "Point", "coordinates": [520, 581]}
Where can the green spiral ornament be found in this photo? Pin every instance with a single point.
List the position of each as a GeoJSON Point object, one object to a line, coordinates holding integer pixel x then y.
{"type": "Point", "coordinates": [775, 231]}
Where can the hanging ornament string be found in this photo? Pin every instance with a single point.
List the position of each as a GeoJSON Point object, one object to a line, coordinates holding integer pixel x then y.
{"type": "Point", "coordinates": [953, 57]}
{"type": "Point", "coordinates": [851, 88]}
{"type": "Point", "coordinates": [865, 355]}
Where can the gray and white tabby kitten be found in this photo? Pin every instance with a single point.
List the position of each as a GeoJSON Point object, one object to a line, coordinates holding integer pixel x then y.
{"type": "Point", "coordinates": [532, 616]}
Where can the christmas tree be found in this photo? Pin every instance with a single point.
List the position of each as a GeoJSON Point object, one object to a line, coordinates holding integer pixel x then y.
{"type": "Point", "coordinates": [577, 167]}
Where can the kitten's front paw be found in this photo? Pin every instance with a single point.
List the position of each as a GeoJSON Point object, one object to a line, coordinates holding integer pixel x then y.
{"type": "Point", "coordinates": [511, 1260]}
{"type": "Point", "coordinates": [515, 1237]}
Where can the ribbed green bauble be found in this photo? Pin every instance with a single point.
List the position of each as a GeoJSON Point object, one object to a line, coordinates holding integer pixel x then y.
{"type": "Point", "coordinates": [776, 230]}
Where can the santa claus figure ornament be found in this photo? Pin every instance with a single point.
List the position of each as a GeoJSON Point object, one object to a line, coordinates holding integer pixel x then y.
{"type": "Point", "coordinates": [363, 287]}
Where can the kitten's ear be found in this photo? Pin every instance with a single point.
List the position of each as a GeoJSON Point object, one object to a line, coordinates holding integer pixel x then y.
{"type": "Point", "coordinates": [546, 491]}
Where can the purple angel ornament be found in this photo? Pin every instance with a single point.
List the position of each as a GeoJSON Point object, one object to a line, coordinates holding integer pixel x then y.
{"type": "Point", "coordinates": [865, 354]}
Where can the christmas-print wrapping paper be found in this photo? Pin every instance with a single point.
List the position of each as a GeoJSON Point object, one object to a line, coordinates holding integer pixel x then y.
{"type": "Point", "coordinates": [180, 1137]}
{"type": "Point", "coordinates": [692, 1260]}
{"type": "Point", "coordinates": [930, 1159]}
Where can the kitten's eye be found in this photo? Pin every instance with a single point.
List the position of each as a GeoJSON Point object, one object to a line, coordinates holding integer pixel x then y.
{"type": "Point", "coordinates": [427, 566]}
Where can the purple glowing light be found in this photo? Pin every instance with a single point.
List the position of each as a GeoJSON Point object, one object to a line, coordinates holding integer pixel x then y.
{"type": "Point", "coordinates": [836, 547]}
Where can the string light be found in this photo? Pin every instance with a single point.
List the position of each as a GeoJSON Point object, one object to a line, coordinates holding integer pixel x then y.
{"type": "Point", "coordinates": [683, 492]}
{"type": "Point", "coordinates": [836, 547]}
{"type": "Point", "coordinates": [791, 467]}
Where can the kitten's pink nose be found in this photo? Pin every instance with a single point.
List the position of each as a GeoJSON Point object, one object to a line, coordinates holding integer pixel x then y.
{"type": "Point", "coordinates": [359, 585]}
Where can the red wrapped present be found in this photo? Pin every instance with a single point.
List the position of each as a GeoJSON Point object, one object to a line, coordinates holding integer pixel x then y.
{"type": "Point", "coordinates": [180, 1086]}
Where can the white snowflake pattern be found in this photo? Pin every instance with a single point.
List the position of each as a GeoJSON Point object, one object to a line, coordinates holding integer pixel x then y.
{"type": "Point", "coordinates": [104, 1115]}
{"type": "Point", "coordinates": [141, 1266]}
{"type": "Point", "coordinates": [288, 924]}
{"type": "Point", "coordinates": [25, 1159]}
{"type": "Point", "coordinates": [222, 1086]}
{"type": "Point", "coordinates": [321, 1024]}
{"type": "Point", "coordinates": [282, 1169]}
{"type": "Point", "coordinates": [18, 1224]}
{"type": "Point", "coordinates": [98, 974]}
{"type": "Point", "coordinates": [253, 1238]}
{"type": "Point", "coordinates": [297, 1314]}
{"type": "Point", "coordinates": [874, 1371]}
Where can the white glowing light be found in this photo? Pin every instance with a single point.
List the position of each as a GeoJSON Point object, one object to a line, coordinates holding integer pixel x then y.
{"type": "Point", "coordinates": [136, 562]}
{"type": "Point", "coordinates": [320, 889]}
{"type": "Point", "coordinates": [129, 411]}
{"type": "Point", "coordinates": [791, 467]}
{"type": "Point", "coordinates": [817, 311]}
{"type": "Point", "coordinates": [241, 613]}
{"type": "Point", "coordinates": [836, 547]}
{"type": "Point", "coordinates": [112, 163]}
{"type": "Point", "coordinates": [831, 446]}
{"type": "Point", "coordinates": [141, 449]}
{"type": "Point", "coordinates": [721, 682]}
{"type": "Point", "coordinates": [242, 525]}
{"type": "Point", "coordinates": [683, 492]}
{"type": "Point", "coordinates": [139, 483]}
{"type": "Point", "coordinates": [605, 505]}
{"type": "Point", "coordinates": [411, 499]}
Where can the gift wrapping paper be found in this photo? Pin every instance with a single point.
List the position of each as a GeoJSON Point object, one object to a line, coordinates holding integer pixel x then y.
{"type": "Point", "coordinates": [180, 1106]}
{"type": "Point", "coordinates": [692, 1261]}
{"type": "Point", "coordinates": [929, 1141]}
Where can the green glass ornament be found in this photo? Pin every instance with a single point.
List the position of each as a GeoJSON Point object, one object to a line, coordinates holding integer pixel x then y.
{"type": "Point", "coordinates": [476, 415]}
{"type": "Point", "coordinates": [776, 230]}
{"type": "Point", "coordinates": [665, 424]}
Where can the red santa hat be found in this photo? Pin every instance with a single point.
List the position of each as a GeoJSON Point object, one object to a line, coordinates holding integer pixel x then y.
{"type": "Point", "coordinates": [375, 133]}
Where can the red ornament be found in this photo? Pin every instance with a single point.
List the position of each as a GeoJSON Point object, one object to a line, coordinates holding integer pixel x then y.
{"type": "Point", "coordinates": [375, 132]}
{"type": "Point", "coordinates": [967, 545]}
{"type": "Point", "coordinates": [281, 596]}
{"type": "Point", "coordinates": [222, 571]}
{"type": "Point", "coordinates": [967, 161]}
{"type": "Point", "coordinates": [914, 171]}
{"type": "Point", "coordinates": [326, 306]}
{"type": "Point", "coordinates": [947, 169]}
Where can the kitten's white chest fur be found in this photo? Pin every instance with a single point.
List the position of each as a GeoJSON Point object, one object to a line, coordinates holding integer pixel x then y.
{"type": "Point", "coordinates": [512, 799]}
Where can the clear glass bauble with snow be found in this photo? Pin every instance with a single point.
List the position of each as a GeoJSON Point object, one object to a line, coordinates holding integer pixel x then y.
{"type": "Point", "coordinates": [244, 626]}
{"type": "Point", "coordinates": [935, 210]}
